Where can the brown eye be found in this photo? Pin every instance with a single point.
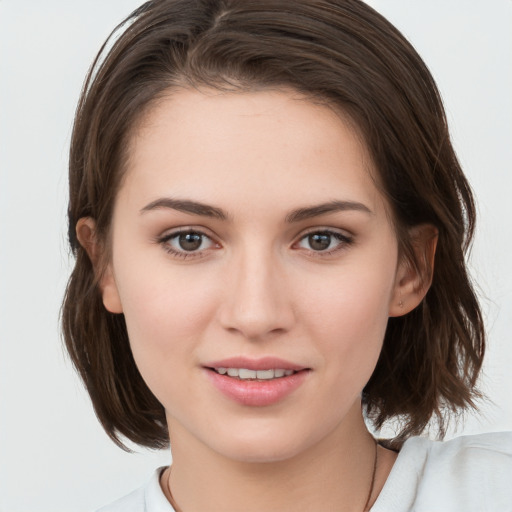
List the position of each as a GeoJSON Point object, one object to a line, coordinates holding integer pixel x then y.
{"type": "Point", "coordinates": [187, 243]}
{"type": "Point", "coordinates": [190, 241]}
{"type": "Point", "coordinates": [324, 241]}
{"type": "Point", "coordinates": [319, 241]}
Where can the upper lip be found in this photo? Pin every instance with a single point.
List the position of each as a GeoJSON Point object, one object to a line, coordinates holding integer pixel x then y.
{"type": "Point", "coordinates": [262, 363]}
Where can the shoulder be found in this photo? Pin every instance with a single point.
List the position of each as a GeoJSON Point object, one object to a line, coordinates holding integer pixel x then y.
{"type": "Point", "coordinates": [494, 447]}
{"type": "Point", "coordinates": [148, 498]}
{"type": "Point", "coordinates": [469, 473]}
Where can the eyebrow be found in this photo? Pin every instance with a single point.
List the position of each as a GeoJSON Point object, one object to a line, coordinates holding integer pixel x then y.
{"type": "Point", "coordinates": [187, 206]}
{"type": "Point", "coordinates": [206, 210]}
{"type": "Point", "coordinates": [325, 208]}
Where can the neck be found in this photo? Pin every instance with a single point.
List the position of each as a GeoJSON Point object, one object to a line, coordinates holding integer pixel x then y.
{"type": "Point", "coordinates": [333, 474]}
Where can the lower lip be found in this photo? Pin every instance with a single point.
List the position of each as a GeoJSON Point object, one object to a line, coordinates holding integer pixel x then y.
{"type": "Point", "coordinates": [257, 393]}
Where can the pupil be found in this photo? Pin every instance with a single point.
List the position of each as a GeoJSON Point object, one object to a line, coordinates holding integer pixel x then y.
{"type": "Point", "coordinates": [190, 241]}
{"type": "Point", "coordinates": [319, 242]}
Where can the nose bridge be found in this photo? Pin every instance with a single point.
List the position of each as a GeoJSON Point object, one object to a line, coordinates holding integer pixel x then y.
{"type": "Point", "coordinates": [256, 300]}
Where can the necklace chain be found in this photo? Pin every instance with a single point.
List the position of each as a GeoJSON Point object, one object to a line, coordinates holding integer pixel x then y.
{"type": "Point", "coordinates": [365, 509]}
{"type": "Point", "coordinates": [374, 472]}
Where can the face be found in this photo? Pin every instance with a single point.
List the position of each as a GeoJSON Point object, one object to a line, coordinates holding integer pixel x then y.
{"type": "Point", "coordinates": [256, 265]}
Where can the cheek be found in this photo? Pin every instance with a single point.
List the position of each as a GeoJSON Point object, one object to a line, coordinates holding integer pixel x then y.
{"type": "Point", "coordinates": [348, 317]}
{"type": "Point", "coordinates": [166, 315]}
{"type": "Point", "coordinates": [351, 329]}
{"type": "Point", "coordinates": [165, 322]}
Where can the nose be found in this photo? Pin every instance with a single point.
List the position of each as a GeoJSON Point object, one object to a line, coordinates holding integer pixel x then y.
{"type": "Point", "coordinates": [257, 303]}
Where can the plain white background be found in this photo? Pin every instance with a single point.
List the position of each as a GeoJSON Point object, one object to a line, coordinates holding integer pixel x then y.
{"type": "Point", "coordinates": [54, 457]}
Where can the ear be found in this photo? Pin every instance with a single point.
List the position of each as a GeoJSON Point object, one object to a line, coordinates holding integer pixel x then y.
{"type": "Point", "coordinates": [86, 234]}
{"type": "Point", "coordinates": [412, 282]}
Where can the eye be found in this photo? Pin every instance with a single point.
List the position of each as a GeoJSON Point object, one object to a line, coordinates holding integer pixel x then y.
{"type": "Point", "coordinates": [186, 243]}
{"type": "Point", "coordinates": [324, 241]}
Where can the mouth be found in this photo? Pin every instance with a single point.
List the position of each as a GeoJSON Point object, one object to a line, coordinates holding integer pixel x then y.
{"type": "Point", "coordinates": [254, 375]}
{"type": "Point", "coordinates": [256, 382]}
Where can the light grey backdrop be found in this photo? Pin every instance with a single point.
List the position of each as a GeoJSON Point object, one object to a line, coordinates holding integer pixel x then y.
{"type": "Point", "coordinates": [54, 457]}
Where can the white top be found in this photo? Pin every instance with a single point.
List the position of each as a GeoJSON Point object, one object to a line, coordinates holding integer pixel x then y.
{"type": "Point", "coordinates": [466, 474]}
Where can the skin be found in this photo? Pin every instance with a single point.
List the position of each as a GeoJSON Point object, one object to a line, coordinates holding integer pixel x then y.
{"type": "Point", "coordinates": [257, 287]}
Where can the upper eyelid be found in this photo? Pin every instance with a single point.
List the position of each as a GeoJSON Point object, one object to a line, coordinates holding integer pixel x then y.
{"type": "Point", "coordinates": [330, 230]}
{"type": "Point", "coordinates": [170, 232]}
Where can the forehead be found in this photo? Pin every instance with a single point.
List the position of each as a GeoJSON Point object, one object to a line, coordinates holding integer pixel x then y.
{"type": "Point", "coordinates": [277, 147]}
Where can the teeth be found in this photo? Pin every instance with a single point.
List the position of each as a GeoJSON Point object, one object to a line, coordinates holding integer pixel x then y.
{"type": "Point", "coordinates": [245, 374]}
{"type": "Point", "coordinates": [265, 374]}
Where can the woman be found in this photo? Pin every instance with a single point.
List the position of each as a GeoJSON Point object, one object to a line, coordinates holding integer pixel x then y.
{"type": "Point", "coordinates": [269, 223]}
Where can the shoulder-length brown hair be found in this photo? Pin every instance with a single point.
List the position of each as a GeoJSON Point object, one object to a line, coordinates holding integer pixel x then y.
{"type": "Point", "coordinates": [340, 52]}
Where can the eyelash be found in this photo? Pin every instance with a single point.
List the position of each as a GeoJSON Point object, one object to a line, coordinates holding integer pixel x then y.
{"type": "Point", "coordinates": [343, 242]}
{"type": "Point", "coordinates": [183, 254]}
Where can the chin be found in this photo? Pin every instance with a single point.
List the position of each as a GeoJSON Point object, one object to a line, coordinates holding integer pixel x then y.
{"type": "Point", "coordinates": [263, 447]}
{"type": "Point", "coordinates": [258, 454]}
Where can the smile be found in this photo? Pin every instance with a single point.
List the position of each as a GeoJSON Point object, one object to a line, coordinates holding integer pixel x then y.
{"type": "Point", "coordinates": [256, 387]}
{"type": "Point", "coordinates": [246, 374]}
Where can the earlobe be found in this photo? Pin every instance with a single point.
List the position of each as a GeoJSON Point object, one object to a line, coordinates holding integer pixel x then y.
{"type": "Point", "coordinates": [86, 234]}
{"type": "Point", "coordinates": [412, 282]}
